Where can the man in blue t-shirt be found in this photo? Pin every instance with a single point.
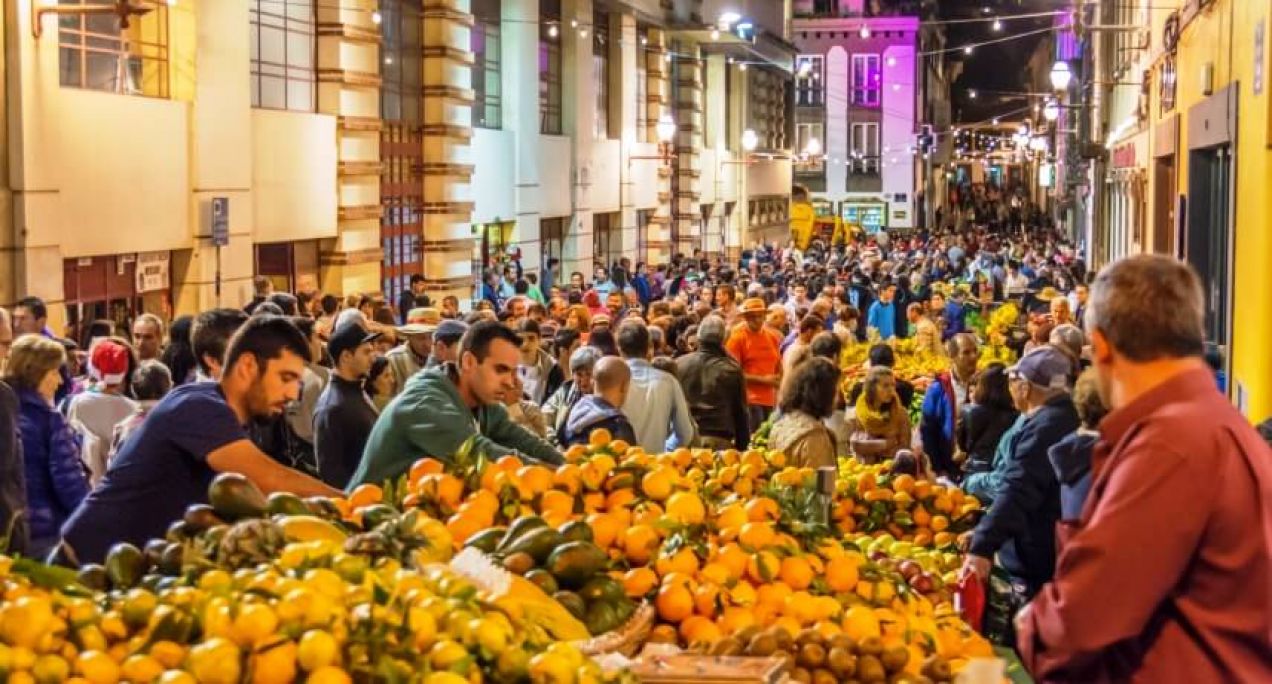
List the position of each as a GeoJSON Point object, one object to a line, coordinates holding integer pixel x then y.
{"type": "Point", "coordinates": [194, 433]}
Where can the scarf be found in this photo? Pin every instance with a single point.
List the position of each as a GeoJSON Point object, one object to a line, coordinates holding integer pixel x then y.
{"type": "Point", "coordinates": [874, 421]}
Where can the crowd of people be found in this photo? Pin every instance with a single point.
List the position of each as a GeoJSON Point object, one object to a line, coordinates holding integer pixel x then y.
{"type": "Point", "coordinates": [1129, 505]}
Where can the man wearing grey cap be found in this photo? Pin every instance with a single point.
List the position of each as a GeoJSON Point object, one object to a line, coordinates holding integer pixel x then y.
{"type": "Point", "coordinates": [1020, 526]}
{"type": "Point", "coordinates": [446, 342]}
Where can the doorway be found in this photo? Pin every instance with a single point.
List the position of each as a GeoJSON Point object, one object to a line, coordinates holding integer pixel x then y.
{"type": "Point", "coordinates": [1164, 206]}
{"type": "Point", "coordinates": [1209, 235]}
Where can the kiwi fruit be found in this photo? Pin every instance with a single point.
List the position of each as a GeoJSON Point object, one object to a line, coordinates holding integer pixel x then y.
{"type": "Point", "coordinates": [762, 645]}
{"type": "Point", "coordinates": [842, 662]}
{"type": "Point", "coordinates": [822, 676]}
{"type": "Point", "coordinates": [801, 675]}
{"type": "Point", "coordinates": [519, 563]}
{"type": "Point", "coordinates": [745, 634]}
{"type": "Point", "coordinates": [937, 668]}
{"type": "Point", "coordinates": [895, 658]}
{"type": "Point", "coordinates": [783, 638]}
{"type": "Point", "coordinates": [812, 656]}
{"type": "Point", "coordinates": [871, 646]}
{"type": "Point", "coordinates": [788, 660]}
{"type": "Point", "coordinates": [810, 636]}
{"type": "Point", "coordinates": [869, 669]}
{"type": "Point", "coordinates": [728, 646]}
{"type": "Point", "coordinates": [843, 641]}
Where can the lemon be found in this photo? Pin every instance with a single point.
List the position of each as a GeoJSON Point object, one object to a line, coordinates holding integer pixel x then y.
{"type": "Point", "coordinates": [176, 677]}
{"type": "Point", "coordinates": [317, 649]}
{"type": "Point", "coordinates": [490, 635]}
{"type": "Point", "coordinates": [274, 663]}
{"type": "Point", "coordinates": [50, 669]}
{"type": "Point", "coordinates": [215, 581]}
{"type": "Point", "coordinates": [215, 661]}
{"type": "Point", "coordinates": [138, 605]}
{"type": "Point", "coordinates": [169, 654]}
{"type": "Point", "coordinates": [445, 678]}
{"type": "Point", "coordinates": [423, 626]}
{"type": "Point", "coordinates": [97, 667]}
{"type": "Point", "coordinates": [551, 668]}
{"type": "Point", "coordinates": [448, 655]}
{"type": "Point", "coordinates": [328, 675]}
{"type": "Point", "coordinates": [325, 582]}
{"type": "Point", "coordinates": [254, 622]}
{"type": "Point", "coordinates": [25, 621]}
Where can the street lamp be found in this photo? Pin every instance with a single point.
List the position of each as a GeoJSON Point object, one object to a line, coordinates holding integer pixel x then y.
{"type": "Point", "coordinates": [750, 140]}
{"type": "Point", "coordinates": [813, 147]}
{"type": "Point", "coordinates": [666, 128]}
{"type": "Point", "coordinates": [1051, 111]}
{"type": "Point", "coordinates": [1061, 76]}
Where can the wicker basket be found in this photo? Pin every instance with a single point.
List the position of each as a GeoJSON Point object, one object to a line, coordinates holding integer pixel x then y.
{"type": "Point", "coordinates": [627, 639]}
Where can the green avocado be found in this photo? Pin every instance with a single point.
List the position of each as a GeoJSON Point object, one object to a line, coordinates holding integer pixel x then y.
{"type": "Point", "coordinates": [539, 543]}
{"type": "Point", "coordinates": [286, 504]}
{"type": "Point", "coordinates": [576, 531]}
{"type": "Point", "coordinates": [234, 497]}
{"type": "Point", "coordinates": [125, 565]}
{"type": "Point", "coordinates": [574, 563]}
{"type": "Point", "coordinates": [520, 527]}
{"type": "Point", "coordinates": [486, 540]}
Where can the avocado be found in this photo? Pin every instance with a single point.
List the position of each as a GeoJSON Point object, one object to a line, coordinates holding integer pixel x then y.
{"type": "Point", "coordinates": [538, 543]}
{"type": "Point", "coordinates": [376, 514]}
{"type": "Point", "coordinates": [323, 507]}
{"type": "Point", "coordinates": [486, 540]}
{"type": "Point", "coordinates": [124, 565]}
{"type": "Point", "coordinates": [235, 497]}
{"type": "Point", "coordinates": [576, 531]}
{"type": "Point", "coordinates": [544, 580]}
{"type": "Point", "coordinates": [199, 517]}
{"type": "Point", "coordinates": [286, 504]}
{"type": "Point", "coordinates": [153, 551]}
{"type": "Point", "coordinates": [518, 528]}
{"type": "Point", "coordinates": [602, 617]}
{"type": "Point", "coordinates": [572, 602]}
{"type": "Point", "coordinates": [172, 560]}
{"type": "Point", "coordinates": [574, 563]}
{"type": "Point", "coordinates": [178, 531]}
{"type": "Point", "coordinates": [602, 588]}
{"type": "Point", "coordinates": [93, 576]}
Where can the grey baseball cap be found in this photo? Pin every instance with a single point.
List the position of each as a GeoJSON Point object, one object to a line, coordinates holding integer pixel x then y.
{"type": "Point", "coordinates": [1045, 366]}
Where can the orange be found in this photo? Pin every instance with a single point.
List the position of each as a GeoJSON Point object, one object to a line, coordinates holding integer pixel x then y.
{"type": "Point", "coordinates": [700, 632]}
{"type": "Point", "coordinates": [800, 605]}
{"type": "Point", "coordinates": [575, 453]}
{"type": "Point", "coordinates": [943, 503]}
{"type": "Point", "coordinates": [605, 529]}
{"type": "Point", "coordinates": [772, 595]}
{"type": "Point", "coordinates": [365, 495]}
{"type": "Point", "coordinates": [790, 624]}
{"type": "Point", "coordinates": [777, 459]}
{"type": "Point", "coordinates": [903, 483]}
{"type": "Point", "coordinates": [733, 619]}
{"type": "Point", "coordinates": [743, 594]}
{"type": "Point", "coordinates": [619, 446]}
{"type": "Point", "coordinates": [921, 516]}
{"type": "Point", "coordinates": [657, 484]}
{"type": "Point", "coordinates": [756, 535]}
{"type": "Point", "coordinates": [754, 457]}
{"type": "Point", "coordinates": [646, 513]}
{"type": "Point", "coordinates": [706, 599]}
{"type": "Point", "coordinates": [638, 582]}
{"type": "Point", "coordinates": [462, 527]}
{"type": "Point", "coordinates": [686, 508]}
{"type": "Point", "coordinates": [828, 629]}
{"type": "Point", "coordinates": [763, 567]}
{"type": "Point", "coordinates": [593, 477]}
{"type": "Point", "coordinates": [477, 511]}
{"type": "Point", "coordinates": [841, 574]}
{"type": "Point", "coordinates": [568, 478]}
{"type": "Point", "coordinates": [733, 558]}
{"type": "Point", "coordinates": [674, 603]}
{"type": "Point", "coordinates": [796, 572]}
{"type": "Point", "coordinates": [599, 438]}
{"type": "Point", "coordinates": [762, 509]}
{"type": "Point", "coordinates": [424, 466]}
{"type": "Point", "coordinates": [683, 561]}
{"type": "Point", "coordinates": [639, 543]}
{"type": "Point", "coordinates": [940, 523]}
{"type": "Point", "coordinates": [482, 500]}
{"type": "Point", "coordinates": [682, 457]}
{"type": "Point", "coordinates": [715, 572]}
{"type": "Point", "coordinates": [727, 475]}
{"type": "Point", "coordinates": [593, 502]}
{"type": "Point", "coordinates": [732, 516]}
{"type": "Point", "coordinates": [509, 463]}
{"type": "Point", "coordinates": [536, 478]}
{"type": "Point", "coordinates": [556, 502]}
{"type": "Point", "coordinates": [619, 498]}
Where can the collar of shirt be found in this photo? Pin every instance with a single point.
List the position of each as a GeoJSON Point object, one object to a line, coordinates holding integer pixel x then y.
{"type": "Point", "coordinates": [1116, 424]}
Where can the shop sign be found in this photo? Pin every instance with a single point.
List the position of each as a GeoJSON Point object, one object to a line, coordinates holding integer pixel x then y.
{"type": "Point", "coordinates": [152, 271]}
{"type": "Point", "coordinates": [220, 221]}
{"type": "Point", "coordinates": [1125, 156]}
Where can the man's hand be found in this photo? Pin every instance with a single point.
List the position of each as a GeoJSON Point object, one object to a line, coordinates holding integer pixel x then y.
{"type": "Point", "coordinates": [978, 565]}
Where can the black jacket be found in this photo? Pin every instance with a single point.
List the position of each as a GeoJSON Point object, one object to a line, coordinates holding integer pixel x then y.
{"type": "Point", "coordinates": [716, 391]}
{"type": "Point", "coordinates": [1071, 459]}
{"type": "Point", "coordinates": [979, 432]}
{"type": "Point", "coordinates": [1021, 524]}
{"type": "Point", "coordinates": [343, 418]}
{"type": "Point", "coordinates": [13, 499]}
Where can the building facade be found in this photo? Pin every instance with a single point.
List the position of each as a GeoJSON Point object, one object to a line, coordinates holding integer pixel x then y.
{"type": "Point", "coordinates": [1184, 117]}
{"type": "Point", "coordinates": [856, 108]}
{"type": "Point", "coordinates": [345, 147]}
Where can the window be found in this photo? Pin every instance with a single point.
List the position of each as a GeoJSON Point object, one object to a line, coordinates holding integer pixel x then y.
{"type": "Point", "coordinates": [401, 144]}
{"type": "Point", "coordinates": [643, 217]}
{"type": "Point", "coordinates": [865, 148]}
{"type": "Point", "coordinates": [600, 71]}
{"type": "Point", "coordinates": [867, 80]}
{"type": "Point", "coordinates": [283, 55]}
{"type": "Point", "coordinates": [552, 235]}
{"type": "Point", "coordinates": [644, 123]}
{"type": "Point", "coordinates": [95, 53]}
{"type": "Point", "coordinates": [810, 88]}
{"type": "Point", "coordinates": [767, 110]}
{"type": "Point", "coordinates": [606, 244]}
{"type": "Point", "coordinates": [550, 68]}
{"type": "Point", "coordinates": [487, 109]}
{"type": "Point", "coordinates": [805, 132]}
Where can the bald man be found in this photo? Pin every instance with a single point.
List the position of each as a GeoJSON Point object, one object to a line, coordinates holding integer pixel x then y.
{"type": "Point", "coordinates": [611, 379]}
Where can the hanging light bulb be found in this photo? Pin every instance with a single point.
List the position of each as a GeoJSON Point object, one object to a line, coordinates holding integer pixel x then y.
{"type": "Point", "coordinates": [376, 18]}
{"type": "Point", "coordinates": [388, 59]}
{"type": "Point", "coordinates": [995, 121]}
{"type": "Point", "coordinates": [553, 31]}
{"type": "Point", "coordinates": [715, 34]}
{"type": "Point", "coordinates": [574, 23]}
{"type": "Point", "coordinates": [582, 33]}
{"type": "Point", "coordinates": [865, 31]}
{"type": "Point", "coordinates": [1052, 111]}
{"type": "Point", "coordinates": [971, 94]}
{"type": "Point", "coordinates": [967, 50]}
{"type": "Point", "coordinates": [644, 40]}
{"type": "Point", "coordinates": [998, 24]}
{"type": "Point", "coordinates": [742, 66]}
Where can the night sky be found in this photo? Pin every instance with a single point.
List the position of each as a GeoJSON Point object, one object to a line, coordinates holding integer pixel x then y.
{"type": "Point", "coordinates": [997, 67]}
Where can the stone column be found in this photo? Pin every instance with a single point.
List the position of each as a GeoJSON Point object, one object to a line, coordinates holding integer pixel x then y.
{"type": "Point", "coordinates": [448, 100]}
{"type": "Point", "coordinates": [688, 114]}
{"type": "Point", "coordinates": [578, 109]}
{"type": "Point", "coordinates": [658, 236]}
{"type": "Point", "coordinates": [520, 83]}
{"type": "Point", "coordinates": [349, 88]}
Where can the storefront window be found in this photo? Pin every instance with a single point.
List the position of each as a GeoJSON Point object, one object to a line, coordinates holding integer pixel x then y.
{"type": "Point", "coordinates": [809, 91]}
{"type": "Point", "coordinates": [550, 68]}
{"type": "Point", "coordinates": [283, 49]}
{"type": "Point", "coordinates": [487, 57]}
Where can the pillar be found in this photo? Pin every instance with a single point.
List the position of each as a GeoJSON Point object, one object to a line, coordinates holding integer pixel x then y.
{"type": "Point", "coordinates": [349, 88]}
{"type": "Point", "coordinates": [686, 212]}
{"type": "Point", "coordinates": [520, 83]}
{"type": "Point", "coordinates": [448, 99]}
{"type": "Point", "coordinates": [623, 49]}
{"type": "Point", "coordinates": [658, 233]}
{"type": "Point", "coordinates": [578, 109]}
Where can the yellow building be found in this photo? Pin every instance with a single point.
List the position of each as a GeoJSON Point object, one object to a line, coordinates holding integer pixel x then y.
{"type": "Point", "coordinates": [1190, 158]}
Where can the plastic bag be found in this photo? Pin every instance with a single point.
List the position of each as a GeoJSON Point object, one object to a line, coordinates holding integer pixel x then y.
{"type": "Point", "coordinates": [969, 599]}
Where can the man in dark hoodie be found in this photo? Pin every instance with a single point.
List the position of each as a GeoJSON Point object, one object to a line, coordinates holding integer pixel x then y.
{"type": "Point", "coordinates": [610, 380]}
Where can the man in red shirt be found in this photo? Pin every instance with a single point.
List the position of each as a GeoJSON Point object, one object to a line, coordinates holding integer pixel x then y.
{"type": "Point", "coordinates": [757, 349]}
{"type": "Point", "coordinates": [1169, 575]}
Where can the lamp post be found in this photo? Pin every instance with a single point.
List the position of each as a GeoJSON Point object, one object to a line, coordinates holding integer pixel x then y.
{"type": "Point", "coordinates": [1051, 111]}
{"type": "Point", "coordinates": [1061, 76]}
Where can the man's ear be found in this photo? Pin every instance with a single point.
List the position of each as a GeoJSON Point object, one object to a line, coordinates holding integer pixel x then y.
{"type": "Point", "coordinates": [1101, 350]}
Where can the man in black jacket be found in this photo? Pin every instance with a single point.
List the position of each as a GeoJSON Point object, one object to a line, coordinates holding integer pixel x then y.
{"type": "Point", "coordinates": [12, 468]}
{"type": "Point", "coordinates": [344, 415]}
{"type": "Point", "coordinates": [1020, 526]}
{"type": "Point", "coordinates": [715, 388]}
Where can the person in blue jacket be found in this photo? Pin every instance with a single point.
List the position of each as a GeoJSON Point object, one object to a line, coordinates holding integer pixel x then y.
{"type": "Point", "coordinates": [56, 481]}
{"type": "Point", "coordinates": [882, 315]}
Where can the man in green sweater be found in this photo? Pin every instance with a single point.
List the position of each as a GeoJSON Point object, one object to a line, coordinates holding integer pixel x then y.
{"type": "Point", "coordinates": [442, 407]}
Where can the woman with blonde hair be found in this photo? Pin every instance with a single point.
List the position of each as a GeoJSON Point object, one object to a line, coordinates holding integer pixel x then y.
{"type": "Point", "coordinates": [56, 481]}
{"type": "Point", "coordinates": [882, 420]}
{"type": "Point", "coordinates": [578, 318]}
{"type": "Point", "coordinates": [807, 399]}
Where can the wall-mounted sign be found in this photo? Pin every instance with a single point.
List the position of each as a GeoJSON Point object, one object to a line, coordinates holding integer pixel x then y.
{"type": "Point", "coordinates": [220, 221]}
{"type": "Point", "coordinates": [152, 271]}
{"type": "Point", "coordinates": [1125, 156]}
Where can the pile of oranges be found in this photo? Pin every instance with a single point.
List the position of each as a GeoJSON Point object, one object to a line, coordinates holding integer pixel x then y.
{"type": "Point", "coordinates": [710, 539]}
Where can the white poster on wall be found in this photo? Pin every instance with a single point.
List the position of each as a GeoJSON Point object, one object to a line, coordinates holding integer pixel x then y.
{"type": "Point", "coordinates": [152, 271]}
